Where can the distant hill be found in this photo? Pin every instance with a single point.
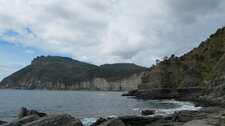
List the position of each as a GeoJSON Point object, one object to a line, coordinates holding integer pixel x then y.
{"type": "Point", "coordinates": [63, 70]}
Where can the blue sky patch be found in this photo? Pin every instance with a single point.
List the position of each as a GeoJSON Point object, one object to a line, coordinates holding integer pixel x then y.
{"type": "Point", "coordinates": [28, 30]}
{"type": "Point", "coordinates": [10, 32]}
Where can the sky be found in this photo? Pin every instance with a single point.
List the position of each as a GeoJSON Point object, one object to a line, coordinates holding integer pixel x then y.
{"type": "Point", "coordinates": [103, 31]}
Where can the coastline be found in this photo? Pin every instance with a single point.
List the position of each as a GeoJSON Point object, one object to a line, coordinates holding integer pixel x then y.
{"type": "Point", "coordinates": [206, 115]}
{"type": "Point", "coordinates": [208, 112]}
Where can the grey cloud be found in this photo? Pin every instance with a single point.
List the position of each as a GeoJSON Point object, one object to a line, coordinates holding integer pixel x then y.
{"type": "Point", "coordinates": [113, 30]}
{"type": "Point", "coordinates": [189, 10]}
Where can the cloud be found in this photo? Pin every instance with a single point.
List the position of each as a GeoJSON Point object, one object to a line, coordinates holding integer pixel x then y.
{"type": "Point", "coordinates": [108, 31]}
{"type": "Point", "coordinates": [29, 51]}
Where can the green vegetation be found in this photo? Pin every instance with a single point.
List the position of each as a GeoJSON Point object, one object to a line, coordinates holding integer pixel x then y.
{"type": "Point", "coordinates": [200, 66]}
{"type": "Point", "coordinates": [57, 69]}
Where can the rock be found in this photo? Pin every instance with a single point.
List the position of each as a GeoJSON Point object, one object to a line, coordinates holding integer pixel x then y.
{"type": "Point", "coordinates": [184, 116]}
{"type": "Point", "coordinates": [197, 123]}
{"type": "Point", "coordinates": [148, 112]}
{"type": "Point", "coordinates": [211, 109]}
{"type": "Point", "coordinates": [131, 93]}
{"type": "Point", "coordinates": [222, 121]}
{"type": "Point", "coordinates": [189, 93]}
{"type": "Point", "coordinates": [56, 120]}
{"type": "Point", "coordinates": [22, 121]}
{"type": "Point", "coordinates": [130, 121]}
{"type": "Point", "coordinates": [187, 84]}
{"type": "Point", "coordinates": [160, 93]}
{"type": "Point", "coordinates": [25, 112]}
{"type": "Point", "coordinates": [113, 122]}
{"type": "Point", "coordinates": [141, 120]}
{"type": "Point", "coordinates": [2, 122]}
{"type": "Point", "coordinates": [99, 121]}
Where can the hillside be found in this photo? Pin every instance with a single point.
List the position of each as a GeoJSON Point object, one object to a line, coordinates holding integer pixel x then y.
{"type": "Point", "coordinates": [196, 75]}
{"type": "Point", "coordinates": [55, 70]}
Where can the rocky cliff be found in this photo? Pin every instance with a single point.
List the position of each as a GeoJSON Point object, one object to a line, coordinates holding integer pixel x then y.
{"type": "Point", "coordinates": [128, 83]}
{"type": "Point", "coordinates": [198, 75]}
{"type": "Point", "coordinates": [61, 73]}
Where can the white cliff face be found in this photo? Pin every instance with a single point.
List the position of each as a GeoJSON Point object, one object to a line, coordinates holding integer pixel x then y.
{"type": "Point", "coordinates": [128, 83]}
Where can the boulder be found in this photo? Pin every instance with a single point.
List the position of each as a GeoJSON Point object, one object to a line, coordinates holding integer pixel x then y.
{"type": "Point", "coordinates": [99, 121]}
{"type": "Point", "coordinates": [113, 122]}
{"type": "Point", "coordinates": [148, 112]}
{"type": "Point", "coordinates": [22, 121]}
{"type": "Point", "coordinates": [141, 120]}
{"type": "Point", "coordinates": [130, 121]}
{"type": "Point", "coordinates": [56, 120]}
{"type": "Point", "coordinates": [25, 112]}
{"type": "Point", "coordinates": [184, 116]}
{"type": "Point", "coordinates": [2, 122]}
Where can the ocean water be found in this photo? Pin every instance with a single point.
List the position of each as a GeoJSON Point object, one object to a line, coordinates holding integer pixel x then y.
{"type": "Point", "coordinates": [85, 105]}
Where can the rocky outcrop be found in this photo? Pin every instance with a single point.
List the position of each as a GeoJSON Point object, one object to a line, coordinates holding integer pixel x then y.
{"type": "Point", "coordinates": [24, 112]}
{"type": "Point", "coordinates": [129, 83]}
{"type": "Point", "coordinates": [100, 121]}
{"type": "Point", "coordinates": [166, 93]}
{"type": "Point", "coordinates": [130, 121]}
{"type": "Point", "coordinates": [113, 122]}
{"type": "Point", "coordinates": [22, 121]}
{"type": "Point", "coordinates": [209, 116]}
{"type": "Point", "coordinates": [2, 122]}
{"type": "Point", "coordinates": [35, 118]}
{"type": "Point", "coordinates": [148, 112]}
{"type": "Point", "coordinates": [197, 76]}
{"type": "Point", "coordinates": [55, 120]}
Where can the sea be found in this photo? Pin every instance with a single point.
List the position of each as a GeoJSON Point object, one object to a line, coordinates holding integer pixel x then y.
{"type": "Point", "coordinates": [88, 106]}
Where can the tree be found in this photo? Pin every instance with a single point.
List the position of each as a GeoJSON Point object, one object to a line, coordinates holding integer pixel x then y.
{"type": "Point", "coordinates": [172, 56]}
{"type": "Point", "coordinates": [157, 61]}
{"type": "Point", "coordinates": [165, 58]}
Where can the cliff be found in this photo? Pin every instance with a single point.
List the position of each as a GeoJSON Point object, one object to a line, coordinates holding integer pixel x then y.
{"type": "Point", "coordinates": [61, 73]}
{"type": "Point", "coordinates": [197, 75]}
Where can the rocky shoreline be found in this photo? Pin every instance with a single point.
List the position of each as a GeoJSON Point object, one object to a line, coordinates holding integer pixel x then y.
{"type": "Point", "coordinates": [200, 97]}
{"type": "Point", "coordinates": [207, 116]}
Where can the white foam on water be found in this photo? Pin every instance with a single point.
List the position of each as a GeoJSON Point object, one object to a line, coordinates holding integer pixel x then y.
{"type": "Point", "coordinates": [112, 116]}
{"type": "Point", "coordinates": [136, 109]}
{"type": "Point", "coordinates": [102, 94]}
{"type": "Point", "coordinates": [183, 106]}
{"type": "Point", "coordinates": [163, 112]}
{"type": "Point", "coordinates": [88, 121]}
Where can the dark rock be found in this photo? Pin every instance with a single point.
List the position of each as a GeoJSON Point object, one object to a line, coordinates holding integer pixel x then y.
{"type": "Point", "coordinates": [2, 122]}
{"type": "Point", "coordinates": [161, 93]}
{"type": "Point", "coordinates": [56, 120]}
{"type": "Point", "coordinates": [189, 93]}
{"type": "Point", "coordinates": [183, 116]}
{"type": "Point", "coordinates": [188, 84]}
{"type": "Point", "coordinates": [131, 93]}
{"type": "Point", "coordinates": [211, 109]}
{"type": "Point", "coordinates": [130, 121]}
{"type": "Point", "coordinates": [148, 112]}
{"type": "Point", "coordinates": [141, 120]}
{"type": "Point", "coordinates": [99, 121]}
{"type": "Point", "coordinates": [22, 121]}
{"type": "Point", "coordinates": [113, 122]}
{"type": "Point", "coordinates": [34, 118]}
{"type": "Point", "coordinates": [25, 112]}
